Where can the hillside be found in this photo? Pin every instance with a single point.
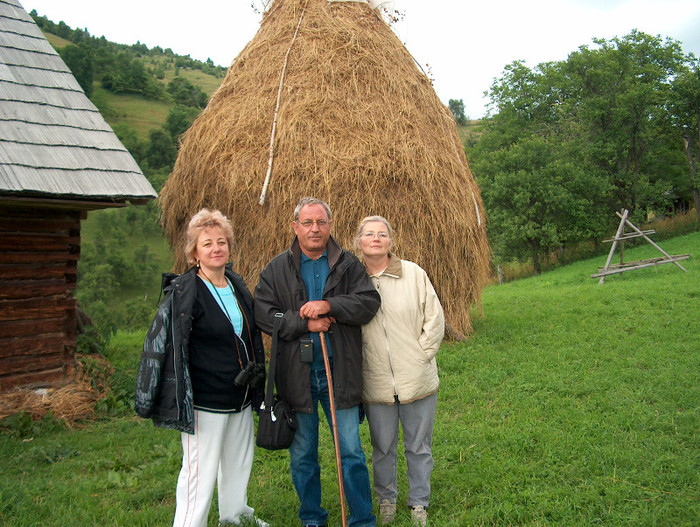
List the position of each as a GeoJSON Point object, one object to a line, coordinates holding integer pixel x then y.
{"type": "Point", "coordinates": [136, 111]}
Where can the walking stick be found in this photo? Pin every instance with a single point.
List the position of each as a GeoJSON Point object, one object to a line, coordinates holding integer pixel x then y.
{"type": "Point", "coordinates": [334, 425]}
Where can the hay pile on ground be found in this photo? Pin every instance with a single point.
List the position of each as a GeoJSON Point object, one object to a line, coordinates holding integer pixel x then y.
{"type": "Point", "coordinates": [359, 126]}
{"type": "Point", "coordinates": [72, 402]}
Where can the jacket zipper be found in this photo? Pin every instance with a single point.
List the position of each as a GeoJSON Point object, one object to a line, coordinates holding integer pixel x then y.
{"type": "Point", "coordinates": [386, 336]}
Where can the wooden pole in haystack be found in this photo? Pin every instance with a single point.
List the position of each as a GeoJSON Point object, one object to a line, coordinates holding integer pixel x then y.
{"type": "Point", "coordinates": [334, 425]}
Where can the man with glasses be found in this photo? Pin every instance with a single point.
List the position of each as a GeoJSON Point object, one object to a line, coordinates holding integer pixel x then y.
{"type": "Point", "coordinates": [318, 286]}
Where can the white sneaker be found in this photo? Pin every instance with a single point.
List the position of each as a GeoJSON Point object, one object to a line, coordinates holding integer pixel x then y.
{"type": "Point", "coordinates": [419, 516]}
{"type": "Point", "coordinates": [247, 521]}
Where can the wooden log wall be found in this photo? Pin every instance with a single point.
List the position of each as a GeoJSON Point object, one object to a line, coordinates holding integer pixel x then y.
{"type": "Point", "coordinates": [39, 252]}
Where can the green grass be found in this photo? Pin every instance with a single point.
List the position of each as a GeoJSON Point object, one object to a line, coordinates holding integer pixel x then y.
{"type": "Point", "coordinates": [572, 404]}
{"type": "Point", "coordinates": [134, 111]}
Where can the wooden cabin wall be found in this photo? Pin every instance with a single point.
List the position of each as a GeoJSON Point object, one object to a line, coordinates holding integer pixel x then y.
{"type": "Point", "coordinates": [39, 252]}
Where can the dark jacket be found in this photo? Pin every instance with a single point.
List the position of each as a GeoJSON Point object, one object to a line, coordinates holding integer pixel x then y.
{"type": "Point", "coordinates": [163, 384]}
{"type": "Point", "coordinates": [353, 301]}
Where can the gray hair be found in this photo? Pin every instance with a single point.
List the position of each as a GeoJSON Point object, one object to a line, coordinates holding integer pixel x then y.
{"type": "Point", "coordinates": [368, 219]}
{"type": "Point", "coordinates": [303, 202]}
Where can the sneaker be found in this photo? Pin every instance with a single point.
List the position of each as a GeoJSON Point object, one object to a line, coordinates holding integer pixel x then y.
{"type": "Point", "coordinates": [387, 511]}
{"type": "Point", "coordinates": [248, 521]}
{"type": "Point", "coordinates": [419, 516]}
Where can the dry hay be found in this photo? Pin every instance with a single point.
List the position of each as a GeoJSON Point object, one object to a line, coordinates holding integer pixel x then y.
{"type": "Point", "coordinates": [359, 126]}
{"type": "Point", "coordinates": [75, 401]}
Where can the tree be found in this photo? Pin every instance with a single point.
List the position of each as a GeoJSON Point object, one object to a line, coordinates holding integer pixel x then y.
{"type": "Point", "coordinates": [618, 95]}
{"type": "Point", "coordinates": [179, 119]}
{"type": "Point", "coordinates": [457, 109]}
{"type": "Point", "coordinates": [538, 199]}
{"type": "Point", "coordinates": [185, 93]}
{"type": "Point", "coordinates": [161, 150]}
{"type": "Point", "coordinates": [80, 61]}
{"type": "Point", "coordinates": [593, 132]}
{"type": "Point", "coordinates": [685, 103]}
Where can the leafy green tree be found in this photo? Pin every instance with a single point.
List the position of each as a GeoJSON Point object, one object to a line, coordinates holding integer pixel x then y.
{"type": "Point", "coordinates": [685, 103]}
{"type": "Point", "coordinates": [538, 199]}
{"type": "Point", "coordinates": [618, 97]}
{"type": "Point", "coordinates": [161, 150]}
{"type": "Point", "coordinates": [98, 283]}
{"type": "Point", "coordinates": [185, 93]}
{"type": "Point", "coordinates": [79, 59]}
{"type": "Point", "coordinates": [179, 119]}
{"type": "Point", "coordinates": [594, 132]}
{"type": "Point", "coordinates": [457, 109]}
{"type": "Point", "coordinates": [131, 141]}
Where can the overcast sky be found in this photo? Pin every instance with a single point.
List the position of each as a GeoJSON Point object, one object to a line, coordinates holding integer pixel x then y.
{"type": "Point", "coordinates": [463, 44]}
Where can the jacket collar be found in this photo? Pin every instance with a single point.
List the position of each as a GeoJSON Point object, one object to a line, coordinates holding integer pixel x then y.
{"type": "Point", "coordinates": [394, 269]}
{"type": "Point", "coordinates": [334, 252]}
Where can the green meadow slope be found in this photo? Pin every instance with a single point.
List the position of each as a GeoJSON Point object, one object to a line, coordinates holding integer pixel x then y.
{"type": "Point", "coordinates": [572, 404]}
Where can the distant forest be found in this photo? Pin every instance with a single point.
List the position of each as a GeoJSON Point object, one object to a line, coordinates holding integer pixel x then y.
{"type": "Point", "coordinates": [135, 69]}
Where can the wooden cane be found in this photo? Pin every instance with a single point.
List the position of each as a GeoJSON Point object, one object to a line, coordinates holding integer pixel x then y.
{"type": "Point", "coordinates": [334, 425]}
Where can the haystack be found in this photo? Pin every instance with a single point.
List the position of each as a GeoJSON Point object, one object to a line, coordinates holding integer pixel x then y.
{"type": "Point", "coordinates": [358, 124]}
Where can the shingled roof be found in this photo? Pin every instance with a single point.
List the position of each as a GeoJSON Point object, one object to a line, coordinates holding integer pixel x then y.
{"type": "Point", "coordinates": [54, 144]}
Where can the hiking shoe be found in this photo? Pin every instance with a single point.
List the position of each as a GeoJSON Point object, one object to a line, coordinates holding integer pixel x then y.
{"type": "Point", "coordinates": [387, 511]}
{"type": "Point", "coordinates": [419, 516]}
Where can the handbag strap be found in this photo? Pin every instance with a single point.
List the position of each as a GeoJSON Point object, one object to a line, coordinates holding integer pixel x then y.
{"type": "Point", "coordinates": [269, 393]}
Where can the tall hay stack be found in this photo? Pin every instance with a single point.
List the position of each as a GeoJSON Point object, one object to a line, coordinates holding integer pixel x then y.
{"type": "Point", "coordinates": [359, 125]}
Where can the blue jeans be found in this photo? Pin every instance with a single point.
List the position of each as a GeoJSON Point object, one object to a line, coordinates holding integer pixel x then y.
{"type": "Point", "coordinates": [306, 472]}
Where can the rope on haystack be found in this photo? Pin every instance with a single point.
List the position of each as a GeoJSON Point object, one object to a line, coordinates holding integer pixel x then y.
{"type": "Point", "coordinates": [476, 208]}
{"type": "Point", "coordinates": [277, 109]}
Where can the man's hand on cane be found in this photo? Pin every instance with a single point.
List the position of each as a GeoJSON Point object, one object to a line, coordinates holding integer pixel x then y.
{"type": "Point", "coordinates": [315, 312]}
{"type": "Point", "coordinates": [315, 309]}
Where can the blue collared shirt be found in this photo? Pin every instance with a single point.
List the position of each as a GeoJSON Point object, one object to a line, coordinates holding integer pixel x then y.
{"type": "Point", "coordinates": [315, 273]}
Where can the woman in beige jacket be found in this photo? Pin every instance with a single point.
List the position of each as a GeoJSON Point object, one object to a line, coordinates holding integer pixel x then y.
{"type": "Point", "coordinates": [400, 379]}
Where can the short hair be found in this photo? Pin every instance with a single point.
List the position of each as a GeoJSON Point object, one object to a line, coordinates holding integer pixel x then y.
{"type": "Point", "coordinates": [367, 219]}
{"type": "Point", "coordinates": [303, 202]}
{"type": "Point", "coordinates": [204, 219]}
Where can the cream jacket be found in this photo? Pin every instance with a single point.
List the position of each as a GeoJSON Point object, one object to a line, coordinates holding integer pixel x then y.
{"type": "Point", "coordinates": [400, 343]}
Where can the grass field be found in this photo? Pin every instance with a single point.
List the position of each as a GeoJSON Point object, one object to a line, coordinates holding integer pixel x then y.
{"type": "Point", "coordinates": [572, 404]}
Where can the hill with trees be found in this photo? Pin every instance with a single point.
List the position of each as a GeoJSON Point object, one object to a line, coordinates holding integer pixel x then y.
{"type": "Point", "coordinates": [149, 97]}
{"type": "Point", "coordinates": [565, 145]}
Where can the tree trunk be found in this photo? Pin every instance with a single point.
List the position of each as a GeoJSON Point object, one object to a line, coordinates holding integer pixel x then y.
{"type": "Point", "coordinates": [536, 262]}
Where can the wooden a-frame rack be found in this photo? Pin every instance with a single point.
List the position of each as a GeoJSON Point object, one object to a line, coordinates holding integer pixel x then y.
{"type": "Point", "coordinates": [623, 266]}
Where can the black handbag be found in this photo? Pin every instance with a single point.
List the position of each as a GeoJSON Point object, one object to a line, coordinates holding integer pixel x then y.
{"type": "Point", "coordinates": [278, 422]}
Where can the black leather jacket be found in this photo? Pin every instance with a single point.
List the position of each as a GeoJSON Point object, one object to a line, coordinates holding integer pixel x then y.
{"type": "Point", "coordinates": [163, 384]}
{"type": "Point", "coordinates": [353, 301]}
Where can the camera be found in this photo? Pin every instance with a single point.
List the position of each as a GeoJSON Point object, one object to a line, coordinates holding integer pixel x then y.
{"type": "Point", "coordinates": [252, 375]}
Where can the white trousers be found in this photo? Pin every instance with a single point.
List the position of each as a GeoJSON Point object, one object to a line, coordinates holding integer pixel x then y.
{"type": "Point", "coordinates": [221, 451]}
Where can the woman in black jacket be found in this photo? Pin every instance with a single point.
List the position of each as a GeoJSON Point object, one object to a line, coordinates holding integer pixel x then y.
{"type": "Point", "coordinates": [202, 372]}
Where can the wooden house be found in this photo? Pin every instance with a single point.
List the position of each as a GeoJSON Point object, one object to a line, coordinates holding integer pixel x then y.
{"type": "Point", "coordinates": [59, 159]}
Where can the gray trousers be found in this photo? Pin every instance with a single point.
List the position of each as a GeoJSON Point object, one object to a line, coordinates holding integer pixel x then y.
{"type": "Point", "coordinates": [417, 419]}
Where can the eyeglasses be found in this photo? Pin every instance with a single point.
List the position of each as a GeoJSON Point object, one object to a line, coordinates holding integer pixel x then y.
{"type": "Point", "coordinates": [308, 223]}
{"type": "Point", "coordinates": [381, 234]}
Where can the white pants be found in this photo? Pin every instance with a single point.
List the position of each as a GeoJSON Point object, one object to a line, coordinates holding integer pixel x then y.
{"type": "Point", "coordinates": [221, 450]}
